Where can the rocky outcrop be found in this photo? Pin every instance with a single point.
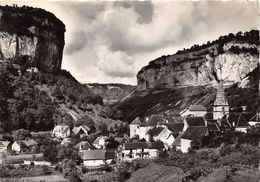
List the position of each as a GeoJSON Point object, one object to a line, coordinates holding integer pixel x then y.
{"type": "Point", "coordinates": [230, 58]}
{"type": "Point", "coordinates": [31, 37]}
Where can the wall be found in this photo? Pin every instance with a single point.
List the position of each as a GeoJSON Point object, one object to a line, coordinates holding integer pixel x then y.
{"type": "Point", "coordinates": [185, 145]}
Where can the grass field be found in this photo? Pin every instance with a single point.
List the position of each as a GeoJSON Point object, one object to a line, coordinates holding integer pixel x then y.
{"type": "Point", "coordinates": [49, 178]}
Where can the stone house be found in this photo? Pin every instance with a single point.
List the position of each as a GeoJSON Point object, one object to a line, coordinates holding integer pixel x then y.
{"type": "Point", "coordinates": [140, 150]}
{"type": "Point", "coordinates": [24, 146]}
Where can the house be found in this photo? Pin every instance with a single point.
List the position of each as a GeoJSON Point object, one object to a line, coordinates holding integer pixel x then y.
{"type": "Point", "coordinates": [61, 131]}
{"type": "Point", "coordinates": [162, 134]}
{"type": "Point", "coordinates": [220, 107]}
{"type": "Point", "coordinates": [194, 122]}
{"type": "Point", "coordinates": [138, 128]}
{"type": "Point", "coordinates": [194, 110]}
{"type": "Point", "coordinates": [140, 150]}
{"type": "Point", "coordinates": [191, 135]}
{"type": "Point", "coordinates": [5, 146]}
{"type": "Point", "coordinates": [81, 130]}
{"type": "Point", "coordinates": [22, 146]}
{"type": "Point", "coordinates": [84, 145]}
{"type": "Point", "coordinates": [97, 158]}
{"type": "Point", "coordinates": [100, 142]}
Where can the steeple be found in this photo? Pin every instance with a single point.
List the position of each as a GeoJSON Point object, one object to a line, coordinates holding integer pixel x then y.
{"type": "Point", "coordinates": [221, 106]}
{"type": "Point", "coordinates": [221, 99]}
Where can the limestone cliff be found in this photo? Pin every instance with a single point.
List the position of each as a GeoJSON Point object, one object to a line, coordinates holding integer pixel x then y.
{"type": "Point", "coordinates": [31, 37]}
{"type": "Point", "coordinates": [230, 58]}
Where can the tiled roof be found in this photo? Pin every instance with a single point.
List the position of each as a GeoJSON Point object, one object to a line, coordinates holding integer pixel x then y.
{"type": "Point", "coordinates": [155, 145]}
{"type": "Point", "coordinates": [194, 133]}
{"type": "Point", "coordinates": [135, 145]}
{"type": "Point", "coordinates": [238, 120]}
{"type": "Point", "coordinates": [97, 155]}
{"type": "Point", "coordinates": [175, 128]}
{"type": "Point", "coordinates": [136, 121]}
{"type": "Point", "coordinates": [155, 131]}
{"type": "Point", "coordinates": [154, 119]}
{"type": "Point", "coordinates": [195, 121]}
{"type": "Point", "coordinates": [197, 108]}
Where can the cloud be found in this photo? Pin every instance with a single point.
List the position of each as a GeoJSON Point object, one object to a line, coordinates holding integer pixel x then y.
{"type": "Point", "coordinates": [79, 41]}
{"type": "Point", "coordinates": [111, 41]}
{"type": "Point", "coordinates": [144, 9]}
{"type": "Point", "coordinates": [115, 64]}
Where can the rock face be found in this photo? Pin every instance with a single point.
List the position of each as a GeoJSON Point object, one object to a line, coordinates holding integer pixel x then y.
{"type": "Point", "coordinates": [111, 93]}
{"type": "Point", "coordinates": [31, 37]}
{"type": "Point", "coordinates": [230, 58]}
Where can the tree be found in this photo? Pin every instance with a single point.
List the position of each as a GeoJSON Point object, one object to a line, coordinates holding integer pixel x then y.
{"type": "Point", "coordinates": [103, 129]}
{"type": "Point", "coordinates": [21, 134]}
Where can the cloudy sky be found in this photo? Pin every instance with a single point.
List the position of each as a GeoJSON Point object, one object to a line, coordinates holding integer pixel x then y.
{"type": "Point", "coordinates": [112, 41]}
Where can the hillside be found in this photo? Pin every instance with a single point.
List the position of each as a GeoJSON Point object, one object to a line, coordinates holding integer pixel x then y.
{"type": "Point", "coordinates": [35, 93]}
{"type": "Point", "coordinates": [111, 92]}
{"type": "Point", "coordinates": [239, 69]}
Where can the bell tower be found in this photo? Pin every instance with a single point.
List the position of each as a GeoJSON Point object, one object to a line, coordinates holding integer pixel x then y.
{"type": "Point", "coordinates": [220, 107]}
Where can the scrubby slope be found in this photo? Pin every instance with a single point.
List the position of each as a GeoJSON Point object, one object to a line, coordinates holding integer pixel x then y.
{"type": "Point", "coordinates": [111, 92]}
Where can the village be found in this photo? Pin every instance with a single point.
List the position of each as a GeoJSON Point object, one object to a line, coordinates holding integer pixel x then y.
{"type": "Point", "coordinates": [148, 136]}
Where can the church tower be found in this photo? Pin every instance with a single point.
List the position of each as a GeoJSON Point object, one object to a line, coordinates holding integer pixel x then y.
{"type": "Point", "coordinates": [221, 106]}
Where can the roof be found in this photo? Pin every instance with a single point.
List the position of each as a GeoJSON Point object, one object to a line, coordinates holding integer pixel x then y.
{"type": "Point", "coordinates": [29, 143]}
{"type": "Point", "coordinates": [213, 127]}
{"type": "Point", "coordinates": [83, 128]}
{"type": "Point", "coordinates": [172, 120]}
{"type": "Point", "coordinates": [61, 128]}
{"type": "Point", "coordinates": [176, 127]}
{"type": "Point", "coordinates": [136, 121]}
{"type": "Point", "coordinates": [255, 118]}
{"type": "Point", "coordinates": [135, 145]}
{"type": "Point", "coordinates": [154, 119]}
{"type": "Point", "coordinates": [156, 145]}
{"type": "Point", "coordinates": [85, 145]}
{"type": "Point", "coordinates": [144, 145]}
{"type": "Point", "coordinates": [238, 120]}
{"type": "Point", "coordinates": [97, 155]}
{"type": "Point", "coordinates": [194, 133]}
{"type": "Point", "coordinates": [195, 121]}
{"type": "Point", "coordinates": [197, 108]}
{"type": "Point", "coordinates": [155, 131]}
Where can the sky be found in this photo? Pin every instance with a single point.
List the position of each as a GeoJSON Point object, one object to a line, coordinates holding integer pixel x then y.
{"type": "Point", "coordinates": [109, 42]}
